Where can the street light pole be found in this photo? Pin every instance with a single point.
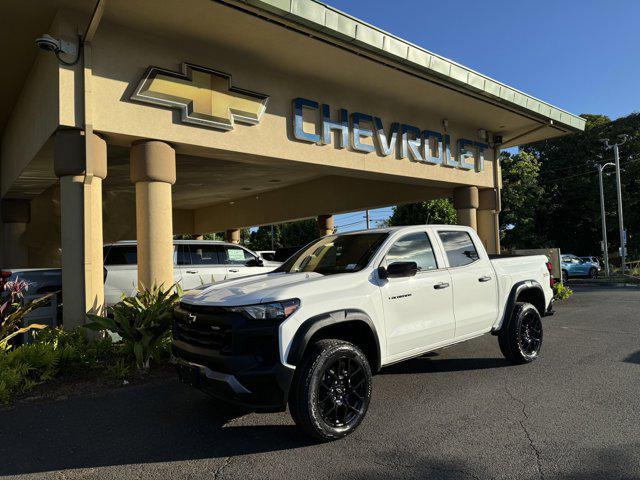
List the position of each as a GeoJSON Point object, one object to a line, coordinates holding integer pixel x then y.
{"type": "Point", "coordinates": [605, 245]}
{"type": "Point", "coordinates": [366, 214]}
{"type": "Point", "coordinates": [616, 155]}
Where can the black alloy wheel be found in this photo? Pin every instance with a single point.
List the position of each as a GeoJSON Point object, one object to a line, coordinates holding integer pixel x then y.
{"type": "Point", "coordinates": [342, 392]}
{"type": "Point", "coordinates": [530, 333]}
{"type": "Point", "coordinates": [331, 389]}
{"type": "Point", "coordinates": [520, 339]}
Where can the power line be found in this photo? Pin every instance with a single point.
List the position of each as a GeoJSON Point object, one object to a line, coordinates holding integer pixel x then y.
{"type": "Point", "coordinates": [588, 172]}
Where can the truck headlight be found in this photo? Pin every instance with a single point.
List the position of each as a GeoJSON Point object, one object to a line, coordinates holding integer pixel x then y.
{"type": "Point", "coordinates": [269, 311]}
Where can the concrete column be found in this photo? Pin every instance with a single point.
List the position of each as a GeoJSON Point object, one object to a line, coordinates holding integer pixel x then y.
{"type": "Point", "coordinates": [465, 201]}
{"type": "Point", "coordinates": [81, 165]}
{"type": "Point", "coordinates": [232, 235]}
{"type": "Point", "coordinates": [153, 171]}
{"type": "Point", "coordinates": [16, 214]}
{"type": "Point", "coordinates": [325, 225]}
{"type": "Point", "coordinates": [487, 228]}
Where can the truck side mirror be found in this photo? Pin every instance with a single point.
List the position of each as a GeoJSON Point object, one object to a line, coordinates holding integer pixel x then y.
{"type": "Point", "coordinates": [398, 270]}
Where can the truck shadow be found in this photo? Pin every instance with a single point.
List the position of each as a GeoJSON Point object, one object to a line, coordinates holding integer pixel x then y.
{"type": "Point", "coordinates": [427, 364]}
{"type": "Point", "coordinates": [145, 424]}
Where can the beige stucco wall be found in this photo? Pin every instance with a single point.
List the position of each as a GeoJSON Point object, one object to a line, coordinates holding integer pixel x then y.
{"type": "Point", "coordinates": [116, 73]}
{"type": "Point", "coordinates": [333, 194]}
{"type": "Point", "coordinates": [33, 120]}
{"type": "Point", "coordinates": [43, 232]}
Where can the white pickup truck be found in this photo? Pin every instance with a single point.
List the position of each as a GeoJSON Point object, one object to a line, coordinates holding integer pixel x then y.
{"type": "Point", "coordinates": [312, 333]}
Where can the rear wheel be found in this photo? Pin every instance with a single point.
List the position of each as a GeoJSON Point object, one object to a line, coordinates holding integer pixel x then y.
{"type": "Point", "coordinates": [331, 390]}
{"type": "Point", "coordinates": [521, 339]}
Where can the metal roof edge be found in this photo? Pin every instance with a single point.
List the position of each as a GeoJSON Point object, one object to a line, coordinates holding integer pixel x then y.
{"type": "Point", "coordinates": [331, 21]}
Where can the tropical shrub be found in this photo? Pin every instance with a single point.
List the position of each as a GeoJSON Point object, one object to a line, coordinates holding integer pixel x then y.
{"type": "Point", "coordinates": [561, 291]}
{"type": "Point", "coordinates": [53, 353]}
{"type": "Point", "coordinates": [142, 321]}
{"type": "Point", "coordinates": [12, 311]}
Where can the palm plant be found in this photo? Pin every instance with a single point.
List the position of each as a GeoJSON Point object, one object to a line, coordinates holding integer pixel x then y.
{"type": "Point", "coordinates": [142, 321]}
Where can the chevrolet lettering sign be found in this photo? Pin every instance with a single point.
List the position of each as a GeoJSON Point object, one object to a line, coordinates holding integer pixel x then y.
{"type": "Point", "coordinates": [406, 141]}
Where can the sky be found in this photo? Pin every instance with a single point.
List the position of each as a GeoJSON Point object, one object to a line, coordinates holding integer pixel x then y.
{"type": "Point", "coordinates": [579, 55]}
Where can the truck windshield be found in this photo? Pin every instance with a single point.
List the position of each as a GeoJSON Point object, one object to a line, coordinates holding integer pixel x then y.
{"type": "Point", "coordinates": [335, 254]}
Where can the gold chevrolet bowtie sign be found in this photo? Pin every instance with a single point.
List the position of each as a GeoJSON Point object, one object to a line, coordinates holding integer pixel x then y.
{"type": "Point", "coordinates": [205, 97]}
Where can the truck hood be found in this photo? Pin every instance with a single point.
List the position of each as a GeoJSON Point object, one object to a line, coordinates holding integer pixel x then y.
{"type": "Point", "coordinates": [249, 290]}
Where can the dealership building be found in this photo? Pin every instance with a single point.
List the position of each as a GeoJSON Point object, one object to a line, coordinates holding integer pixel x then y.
{"type": "Point", "coordinates": [150, 119]}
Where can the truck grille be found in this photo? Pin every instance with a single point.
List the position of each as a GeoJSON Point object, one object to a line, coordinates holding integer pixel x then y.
{"type": "Point", "coordinates": [206, 328]}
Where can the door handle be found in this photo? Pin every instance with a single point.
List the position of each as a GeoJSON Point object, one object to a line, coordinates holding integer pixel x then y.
{"type": "Point", "coordinates": [484, 279]}
{"type": "Point", "coordinates": [234, 270]}
{"type": "Point", "coordinates": [192, 271]}
{"type": "Point", "coordinates": [441, 285]}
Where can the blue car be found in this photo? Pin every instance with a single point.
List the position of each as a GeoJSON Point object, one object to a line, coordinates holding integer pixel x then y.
{"type": "Point", "coordinates": [573, 266]}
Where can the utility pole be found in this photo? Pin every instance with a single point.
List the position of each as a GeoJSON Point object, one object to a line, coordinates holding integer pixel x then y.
{"type": "Point", "coordinates": [605, 245]}
{"type": "Point", "coordinates": [366, 215]}
{"type": "Point", "coordinates": [616, 155]}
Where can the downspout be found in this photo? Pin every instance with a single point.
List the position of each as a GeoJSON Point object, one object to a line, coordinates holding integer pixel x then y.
{"type": "Point", "coordinates": [89, 179]}
{"type": "Point", "coordinates": [496, 186]}
{"type": "Point", "coordinates": [87, 67]}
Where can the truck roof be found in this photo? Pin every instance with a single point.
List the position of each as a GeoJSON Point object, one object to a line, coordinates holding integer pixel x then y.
{"type": "Point", "coordinates": [405, 227]}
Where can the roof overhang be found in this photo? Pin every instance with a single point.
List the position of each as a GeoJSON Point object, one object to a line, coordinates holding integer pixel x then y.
{"type": "Point", "coordinates": [344, 28]}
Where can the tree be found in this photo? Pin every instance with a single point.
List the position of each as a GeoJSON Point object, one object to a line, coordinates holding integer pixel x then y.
{"type": "Point", "coordinates": [260, 239]}
{"type": "Point", "coordinates": [521, 196]}
{"type": "Point", "coordinates": [568, 213]}
{"type": "Point", "coordinates": [438, 211]}
{"type": "Point", "coordinates": [296, 234]}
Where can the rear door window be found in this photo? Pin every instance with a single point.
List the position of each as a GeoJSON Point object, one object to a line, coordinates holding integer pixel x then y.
{"type": "Point", "coordinates": [459, 248]}
{"type": "Point", "coordinates": [206, 254]}
{"type": "Point", "coordinates": [121, 255]}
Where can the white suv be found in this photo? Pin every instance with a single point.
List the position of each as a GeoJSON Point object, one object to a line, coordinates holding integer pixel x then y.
{"type": "Point", "coordinates": [196, 262]}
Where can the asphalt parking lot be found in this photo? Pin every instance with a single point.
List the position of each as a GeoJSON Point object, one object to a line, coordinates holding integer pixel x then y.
{"type": "Point", "coordinates": [463, 413]}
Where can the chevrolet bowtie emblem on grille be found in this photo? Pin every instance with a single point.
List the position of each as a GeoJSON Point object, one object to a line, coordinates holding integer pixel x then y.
{"type": "Point", "coordinates": [205, 97]}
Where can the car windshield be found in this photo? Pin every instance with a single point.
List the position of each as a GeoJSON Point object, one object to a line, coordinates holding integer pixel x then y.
{"type": "Point", "coordinates": [335, 254]}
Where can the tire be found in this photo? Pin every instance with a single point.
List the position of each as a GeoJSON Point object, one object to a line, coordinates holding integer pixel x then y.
{"type": "Point", "coordinates": [565, 275]}
{"type": "Point", "coordinates": [593, 272]}
{"type": "Point", "coordinates": [324, 402]}
{"type": "Point", "coordinates": [521, 339]}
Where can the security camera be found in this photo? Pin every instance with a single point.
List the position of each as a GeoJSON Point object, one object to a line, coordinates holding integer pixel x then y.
{"type": "Point", "coordinates": [50, 44]}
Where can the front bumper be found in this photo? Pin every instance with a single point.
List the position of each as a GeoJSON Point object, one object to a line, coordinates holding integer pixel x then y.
{"type": "Point", "coordinates": [550, 311]}
{"type": "Point", "coordinates": [230, 357]}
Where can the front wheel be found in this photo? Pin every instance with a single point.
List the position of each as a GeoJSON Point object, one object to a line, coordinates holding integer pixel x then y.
{"type": "Point", "coordinates": [593, 272]}
{"type": "Point", "coordinates": [565, 275]}
{"type": "Point", "coordinates": [520, 340]}
{"type": "Point", "coordinates": [331, 390]}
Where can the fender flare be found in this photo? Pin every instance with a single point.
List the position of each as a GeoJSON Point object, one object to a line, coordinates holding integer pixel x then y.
{"type": "Point", "coordinates": [314, 324]}
{"type": "Point", "coordinates": [511, 302]}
